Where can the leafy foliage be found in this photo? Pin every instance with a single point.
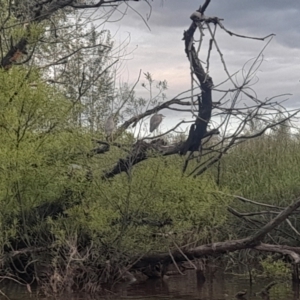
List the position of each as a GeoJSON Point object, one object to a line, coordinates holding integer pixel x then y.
{"type": "Point", "coordinates": [275, 269]}
{"type": "Point", "coordinates": [37, 146]}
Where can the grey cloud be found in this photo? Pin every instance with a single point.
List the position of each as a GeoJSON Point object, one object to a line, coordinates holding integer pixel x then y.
{"type": "Point", "coordinates": [255, 17]}
{"type": "Point", "coordinates": [161, 49]}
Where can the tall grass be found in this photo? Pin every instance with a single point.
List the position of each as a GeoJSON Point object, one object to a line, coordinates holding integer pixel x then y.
{"type": "Point", "coordinates": [266, 169]}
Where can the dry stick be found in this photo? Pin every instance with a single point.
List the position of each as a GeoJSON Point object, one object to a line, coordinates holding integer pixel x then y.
{"type": "Point", "coordinates": [186, 162]}
{"type": "Point", "coordinates": [276, 221]}
{"type": "Point", "coordinates": [174, 262]}
{"type": "Point", "coordinates": [258, 223]}
{"type": "Point", "coordinates": [140, 15]}
{"type": "Point", "coordinates": [293, 228]}
{"type": "Point", "coordinates": [4, 295]}
{"type": "Point", "coordinates": [129, 95]}
{"type": "Point", "coordinates": [210, 49]}
{"type": "Point", "coordinates": [190, 262]}
{"type": "Point", "coordinates": [223, 61]}
{"type": "Point", "coordinates": [249, 220]}
{"type": "Point", "coordinates": [63, 59]}
{"type": "Point", "coordinates": [243, 36]}
{"type": "Point", "coordinates": [259, 213]}
{"type": "Point", "coordinates": [192, 75]}
{"type": "Point", "coordinates": [226, 122]}
{"type": "Point", "coordinates": [224, 81]}
{"type": "Point", "coordinates": [256, 203]}
{"type": "Point", "coordinates": [201, 38]}
{"type": "Point", "coordinates": [239, 215]}
{"type": "Point", "coordinates": [228, 116]}
{"type": "Point", "coordinates": [163, 134]}
{"type": "Point", "coordinates": [12, 279]}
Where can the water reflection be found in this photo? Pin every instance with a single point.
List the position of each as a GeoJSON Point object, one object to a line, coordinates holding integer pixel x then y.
{"type": "Point", "coordinates": [190, 286]}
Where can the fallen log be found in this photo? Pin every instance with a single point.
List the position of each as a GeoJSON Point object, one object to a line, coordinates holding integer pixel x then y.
{"type": "Point", "coordinates": [153, 265]}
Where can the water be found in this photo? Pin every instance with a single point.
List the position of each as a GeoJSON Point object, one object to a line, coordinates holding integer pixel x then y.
{"type": "Point", "coordinates": [178, 287]}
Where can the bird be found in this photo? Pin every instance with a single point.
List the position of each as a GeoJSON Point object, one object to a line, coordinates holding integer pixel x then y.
{"type": "Point", "coordinates": [155, 121]}
{"type": "Point", "coordinates": [109, 125]}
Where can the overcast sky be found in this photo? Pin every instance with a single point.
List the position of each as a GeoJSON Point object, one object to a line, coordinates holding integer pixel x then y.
{"type": "Point", "coordinates": [160, 50]}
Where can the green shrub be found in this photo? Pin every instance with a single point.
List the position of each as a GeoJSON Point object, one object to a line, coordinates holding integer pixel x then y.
{"type": "Point", "coordinates": [276, 269]}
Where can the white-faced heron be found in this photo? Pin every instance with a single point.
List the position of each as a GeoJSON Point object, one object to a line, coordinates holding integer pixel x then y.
{"type": "Point", "coordinates": [109, 125]}
{"type": "Point", "coordinates": [155, 121]}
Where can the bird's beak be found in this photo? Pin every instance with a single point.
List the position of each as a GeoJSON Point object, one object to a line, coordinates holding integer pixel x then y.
{"type": "Point", "coordinates": [163, 116]}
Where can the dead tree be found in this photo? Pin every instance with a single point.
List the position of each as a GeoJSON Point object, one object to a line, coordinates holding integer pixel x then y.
{"type": "Point", "coordinates": [204, 109]}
